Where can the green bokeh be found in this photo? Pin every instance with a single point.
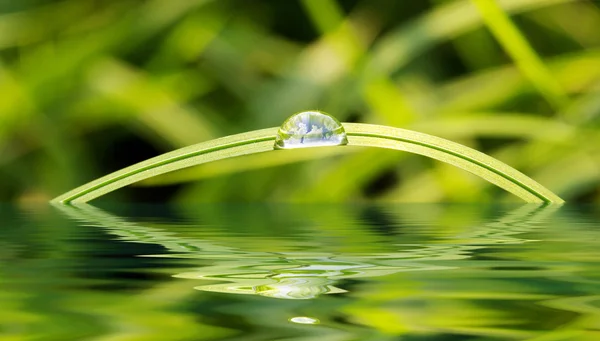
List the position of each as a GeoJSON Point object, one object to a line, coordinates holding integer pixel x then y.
{"type": "Point", "coordinates": [87, 87]}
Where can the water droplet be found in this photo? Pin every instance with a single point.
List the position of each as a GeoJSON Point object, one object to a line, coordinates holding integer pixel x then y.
{"type": "Point", "coordinates": [310, 129]}
{"type": "Point", "coordinates": [304, 320]}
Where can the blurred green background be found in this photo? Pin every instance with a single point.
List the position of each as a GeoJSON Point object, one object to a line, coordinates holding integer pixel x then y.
{"type": "Point", "coordinates": [90, 86]}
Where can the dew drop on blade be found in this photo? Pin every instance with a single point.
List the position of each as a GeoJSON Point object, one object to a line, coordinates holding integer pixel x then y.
{"type": "Point", "coordinates": [310, 129]}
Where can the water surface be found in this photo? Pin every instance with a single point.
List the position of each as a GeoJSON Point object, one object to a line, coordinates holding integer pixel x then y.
{"type": "Point", "coordinates": [293, 272]}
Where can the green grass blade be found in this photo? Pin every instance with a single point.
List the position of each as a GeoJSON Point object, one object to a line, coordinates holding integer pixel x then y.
{"type": "Point", "coordinates": [235, 145]}
{"type": "Point", "coordinates": [243, 164]}
{"type": "Point", "coordinates": [359, 134]}
{"type": "Point", "coordinates": [455, 154]}
{"type": "Point", "coordinates": [521, 52]}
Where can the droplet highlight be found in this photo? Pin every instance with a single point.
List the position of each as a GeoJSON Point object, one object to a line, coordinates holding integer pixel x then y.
{"type": "Point", "coordinates": [310, 129]}
{"type": "Point", "coordinates": [304, 320]}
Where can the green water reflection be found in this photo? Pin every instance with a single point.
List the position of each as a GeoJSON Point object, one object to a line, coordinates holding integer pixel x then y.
{"type": "Point", "coordinates": [274, 272]}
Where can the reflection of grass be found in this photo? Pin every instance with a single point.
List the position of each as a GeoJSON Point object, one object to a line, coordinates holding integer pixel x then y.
{"type": "Point", "coordinates": [184, 73]}
{"type": "Point", "coordinates": [456, 295]}
{"type": "Point", "coordinates": [305, 274]}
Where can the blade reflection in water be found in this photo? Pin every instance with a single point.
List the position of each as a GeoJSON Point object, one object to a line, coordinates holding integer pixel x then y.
{"type": "Point", "coordinates": [366, 271]}
{"type": "Point", "coordinates": [305, 274]}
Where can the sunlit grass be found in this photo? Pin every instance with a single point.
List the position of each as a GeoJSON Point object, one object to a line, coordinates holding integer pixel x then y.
{"type": "Point", "coordinates": [364, 135]}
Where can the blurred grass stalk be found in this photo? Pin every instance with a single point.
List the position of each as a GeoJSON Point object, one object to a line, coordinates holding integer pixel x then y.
{"type": "Point", "coordinates": [521, 52]}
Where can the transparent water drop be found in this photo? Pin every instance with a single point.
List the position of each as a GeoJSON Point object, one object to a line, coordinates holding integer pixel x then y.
{"type": "Point", "coordinates": [304, 320]}
{"type": "Point", "coordinates": [310, 129]}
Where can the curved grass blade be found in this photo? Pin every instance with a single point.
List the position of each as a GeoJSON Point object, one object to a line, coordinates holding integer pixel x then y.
{"type": "Point", "coordinates": [234, 145]}
{"type": "Point", "coordinates": [453, 153]}
{"type": "Point", "coordinates": [246, 163]}
{"type": "Point", "coordinates": [359, 134]}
